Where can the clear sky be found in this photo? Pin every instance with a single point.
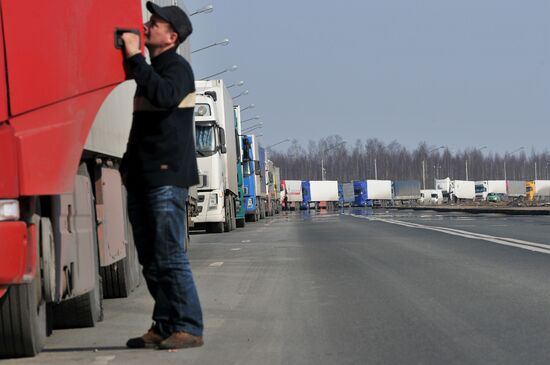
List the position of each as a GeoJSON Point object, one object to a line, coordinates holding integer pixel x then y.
{"type": "Point", "coordinates": [464, 73]}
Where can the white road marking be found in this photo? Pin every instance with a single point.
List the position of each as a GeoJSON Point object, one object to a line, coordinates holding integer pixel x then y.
{"type": "Point", "coordinates": [236, 249]}
{"type": "Point", "coordinates": [216, 264]}
{"type": "Point", "coordinates": [245, 241]}
{"type": "Point", "coordinates": [507, 241]}
{"type": "Point", "coordinates": [102, 360]}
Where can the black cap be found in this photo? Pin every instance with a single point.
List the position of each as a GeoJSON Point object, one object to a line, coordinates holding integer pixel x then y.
{"type": "Point", "coordinates": [175, 16]}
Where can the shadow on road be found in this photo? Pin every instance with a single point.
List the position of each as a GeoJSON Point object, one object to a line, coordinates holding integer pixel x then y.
{"type": "Point", "coordinates": [91, 349]}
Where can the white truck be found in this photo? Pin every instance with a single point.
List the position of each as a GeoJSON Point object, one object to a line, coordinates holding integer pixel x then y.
{"type": "Point", "coordinates": [483, 188]}
{"type": "Point", "coordinates": [431, 197]}
{"type": "Point", "coordinates": [216, 157]}
{"type": "Point", "coordinates": [462, 190]}
{"type": "Point", "coordinates": [444, 185]}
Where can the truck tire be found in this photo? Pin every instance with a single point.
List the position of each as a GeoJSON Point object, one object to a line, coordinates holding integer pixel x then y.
{"type": "Point", "coordinates": [22, 321]}
{"type": "Point", "coordinates": [241, 222]}
{"type": "Point", "coordinates": [122, 277]}
{"type": "Point", "coordinates": [262, 210]}
{"type": "Point", "coordinates": [86, 309]}
{"type": "Point", "coordinates": [227, 223]}
{"type": "Point", "coordinates": [215, 227]}
{"type": "Point", "coordinates": [233, 216]}
{"type": "Point", "coordinates": [24, 312]}
{"type": "Point", "coordinates": [116, 279]}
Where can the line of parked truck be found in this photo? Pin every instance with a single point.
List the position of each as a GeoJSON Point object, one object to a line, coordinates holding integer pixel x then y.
{"type": "Point", "coordinates": [298, 194]}
{"type": "Point", "coordinates": [237, 181]}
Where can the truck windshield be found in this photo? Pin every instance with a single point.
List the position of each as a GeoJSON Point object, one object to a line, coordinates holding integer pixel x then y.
{"type": "Point", "coordinates": [205, 139]}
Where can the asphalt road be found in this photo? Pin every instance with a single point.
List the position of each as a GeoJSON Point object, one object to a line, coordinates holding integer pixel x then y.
{"type": "Point", "coordinates": [362, 287]}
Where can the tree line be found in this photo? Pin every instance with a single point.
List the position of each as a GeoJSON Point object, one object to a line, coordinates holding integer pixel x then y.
{"type": "Point", "coordinates": [373, 158]}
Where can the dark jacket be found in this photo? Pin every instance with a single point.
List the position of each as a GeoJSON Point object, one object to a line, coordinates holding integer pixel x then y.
{"type": "Point", "coordinates": [161, 147]}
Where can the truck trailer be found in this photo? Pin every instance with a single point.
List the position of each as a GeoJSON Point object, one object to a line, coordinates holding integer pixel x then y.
{"type": "Point", "coordinates": [538, 190]}
{"type": "Point", "coordinates": [293, 193]}
{"type": "Point", "coordinates": [379, 192]}
{"type": "Point", "coordinates": [406, 190]}
{"type": "Point", "coordinates": [348, 194]}
{"type": "Point", "coordinates": [462, 190]}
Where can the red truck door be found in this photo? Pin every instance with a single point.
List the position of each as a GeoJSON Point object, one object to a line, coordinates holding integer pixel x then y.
{"type": "Point", "coordinates": [3, 84]}
{"type": "Point", "coordinates": [57, 49]}
{"type": "Point", "coordinates": [61, 63]}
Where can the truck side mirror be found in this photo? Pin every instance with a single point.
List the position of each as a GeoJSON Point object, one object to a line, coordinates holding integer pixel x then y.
{"type": "Point", "coordinates": [223, 147]}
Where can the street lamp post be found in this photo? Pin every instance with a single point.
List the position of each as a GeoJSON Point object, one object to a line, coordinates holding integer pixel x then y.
{"type": "Point", "coordinates": [223, 42]}
{"type": "Point", "coordinates": [229, 69]}
{"type": "Point", "coordinates": [251, 106]}
{"type": "Point", "coordinates": [505, 156]}
{"type": "Point", "coordinates": [251, 128]}
{"type": "Point", "coordinates": [424, 166]}
{"type": "Point", "coordinates": [241, 94]}
{"type": "Point", "coordinates": [323, 172]}
{"type": "Point", "coordinates": [467, 161]}
{"type": "Point", "coordinates": [249, 119]}
{"type": "Point", "coordinates": [240, 83]}
{"type": "Point", "coordinates": [278, 143]}
{"type": "Point", "coordinates": [204, 10]}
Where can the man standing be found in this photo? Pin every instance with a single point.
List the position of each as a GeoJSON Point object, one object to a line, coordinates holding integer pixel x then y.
{"type": "Point", "coordinates": [158, 167]}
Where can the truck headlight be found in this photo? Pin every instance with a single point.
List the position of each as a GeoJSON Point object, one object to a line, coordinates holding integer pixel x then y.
{"type": "Point", "coordinates": [213, 201]}
{"type": "Point", "coordinates": [9, 210]}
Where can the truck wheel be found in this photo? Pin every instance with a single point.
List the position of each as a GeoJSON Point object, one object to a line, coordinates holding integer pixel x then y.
{"type": "Point", "coordinates": [116, 279]}
{"type": "Point", "coordinates": [23, 326]}
{"type": "Point", "coordinates": [233, 216]}
{"type": "Point", "coordinates": [240, 223]}
{"type": "Point", "coordinates": [121, 277]}
{"type": "Point", "coordinates": [262, 211]}
{"type": "Point", "coordinates": [227, 223]}
{"type": "Point", "coordinates": [215, 227]}
{"type": "Point", "coordinates": [23, 321]}
{"type": "Point", "coordinates": [86, 309]}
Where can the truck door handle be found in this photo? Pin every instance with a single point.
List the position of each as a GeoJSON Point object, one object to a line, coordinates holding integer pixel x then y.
{"type": "Point", "coordinates": [119, 44]}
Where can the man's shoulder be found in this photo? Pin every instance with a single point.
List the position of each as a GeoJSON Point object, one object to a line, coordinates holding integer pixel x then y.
{"type": "Point", "coordinates": [180, 61]}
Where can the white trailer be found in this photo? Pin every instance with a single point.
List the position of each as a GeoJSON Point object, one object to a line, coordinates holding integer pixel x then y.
{"type": "Point", "coordinates": [462, 190]}
{"type": "Point", "coordinates": [516, 188]}
{"type": "Point", "coordinates": [293, 190]}
{"type": "Point", "coordinates": [324, 191]}
{"type": "Point", "coordinates": [216, 157]}
{"type": "Point", "coordinates": [379, 190]}
{"type": "Point", "coordinates": [542, 189]}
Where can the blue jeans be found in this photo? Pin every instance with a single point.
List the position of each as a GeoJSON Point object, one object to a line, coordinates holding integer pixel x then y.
{"type": "Point", "coordinates": [158, 217]}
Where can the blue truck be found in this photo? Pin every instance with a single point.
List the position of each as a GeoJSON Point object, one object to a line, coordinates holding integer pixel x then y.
{"type": "Point", "coordinates": [306, 195]}
{"type": "Point", "coordinates": [361, 194]}
{"type": "Point", "coordinates": [254, 195]}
